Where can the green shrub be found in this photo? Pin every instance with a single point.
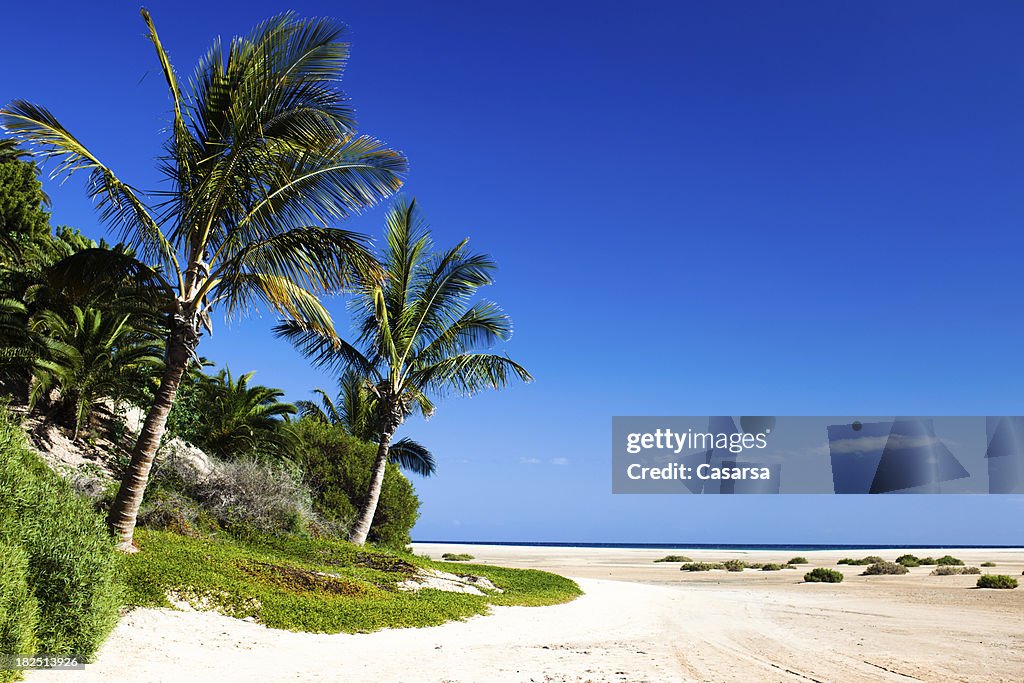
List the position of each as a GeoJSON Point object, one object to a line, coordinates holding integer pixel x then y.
{"type": "Point", "coordinates": [71, 562]}
{"type": "Point", "coordinates": [996, 581]}
{"type": "Point", "coordinates": [823, 575]}
{"type": "Point", "coordinates": [948, 561]}
{"type": "Point", "coordinates": [908, 560]}
{"type": "Point", "coordinates": [700, 566]}
{"type": "Point", "coordinates": [988, 564]}
{"type": "Point", "coordinates": [734, 565]}
{"type": "Point", "coordinates": [885, 568]}
{"type": "Point", "coordinates": [457, 557]}
{"type": "Point", "coordinates": [952, 570]}
{"type": "Point", "coordinates": [870, 559]}
{"type": "Point", "coordinates": [337, 469]}
{"type": "Point", "coordinates": [19, 611]}
{"type": "Point", "coordinates": [675, 558]}
{"type": "Point", "coordinates": [799, 559]}
{"type": "Point", "coordinates": [771, 567]}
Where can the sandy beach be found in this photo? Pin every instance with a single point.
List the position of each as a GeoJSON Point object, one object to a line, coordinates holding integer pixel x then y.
{"type": "Point", "coordinates": [638, 621]}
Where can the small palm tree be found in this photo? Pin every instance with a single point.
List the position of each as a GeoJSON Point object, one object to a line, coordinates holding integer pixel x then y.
{"type": "Point", "coordinates": [91, 357]}
{"type": "Point", "coordinates": [261, 155]}
{"type": "Point", "coordinates": [355, 411]}
{"type": "Point", "coordinates": [419, 335]}
{"type": "Point", "coordinates": [242, 419]}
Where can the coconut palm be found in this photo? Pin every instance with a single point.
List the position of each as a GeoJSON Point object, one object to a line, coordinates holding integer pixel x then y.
{"type": "Point", "coordinates": [354, 411]}
{"type": "Point", "coordinates": [261, 155]}
{"type": "Point", "coordinates": [419, 336]}
{"type": "Point", "coordinates": [90, 357]}
{"type": "Point", "coordinates": [240, 418]}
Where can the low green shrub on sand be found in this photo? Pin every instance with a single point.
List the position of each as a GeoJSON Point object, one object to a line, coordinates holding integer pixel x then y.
{"type": "Point", "coordinates": [996, 581]}
{"type": "Point", "coordinates": [880, 568]}
{"type": "Point", "coordinates": [799, 559]}
{"type": "Point", "coordinates": [675, 558]}
{"type": "Point", "coordinates": [952, 570]}
{"type": "Point", "coordinates": [949, 561]}
{"type": "Point", "coordinates": [823, 575]}
{"type": "Point", "coordinates": [700, 566]}
{"type": "Point", "coordinates": [457, 557]}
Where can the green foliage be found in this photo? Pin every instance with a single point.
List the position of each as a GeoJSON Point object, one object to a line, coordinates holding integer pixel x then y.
{"type": "Point", "coordinates": [870, 559]}
{"type": "Point", "coordinates": [885, 568]}
{"type": "Point", "coordinates": [19, 611]}
{"type": "Point", "coordinates": [927, 561]}
{"type": "Point", "coordinates": [997, 581]}
{"type": "Point", "coordinates": [700, 566]}
{"type": "Point", "coordinates": [71, 566]}
{"type": "Point", "coordinates": [355, 410]}
{"type": "Point", "coordinates": [91, 357]}
{"type": "Point", "coordinates": [771, 567]}
{"type": "Point", "coordinates": [674, 558]}
{"type": "Point", "coordinates": [734, 565]}
{"type": "Point", "coordinates": [988, 564]}
{"type": "Point", "coordinates": [908, 560]}
{"type": "Point", "coordinates": [953, 570]}
{"type": "Point", "coordinates": [338, 469]}
{"type": "Point", "coordinates": [457, 557]}
{"type": "Point", "coordinates": [799, 559]}
{"type": "Point", "coordinates": [948, 560]}
{"type": "Point", "coordinates": [823, 575]}
{"type": "Point", "coordinates": [230, 418]}
{"type": "Point", "coordinates": [24, 221]}
{"type": "Point", "coordinates": [320, 585]}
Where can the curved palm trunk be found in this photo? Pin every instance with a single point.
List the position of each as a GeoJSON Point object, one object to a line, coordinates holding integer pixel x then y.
{"type": "Point", "coordinates": [362, 526]}
{"type": "Point", "coordinates": [125, 510]}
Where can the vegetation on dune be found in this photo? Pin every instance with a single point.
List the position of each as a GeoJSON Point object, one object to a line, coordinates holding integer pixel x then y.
{"type": "Point", "coordinates": [316, 584]}
{"type": "Point", "coordinates": [988, 564]}
{"type": "Point", "coordinates": [908, 560]}
{"type": "Point", "coordinates": [996, 581]}
{"type": "Point", "coordinates": [59, 580]}
{"type": "Point", "coordinates": [700, 566]}
{"type": "Point", "coordinates": [262, 151]}
{"type": "Point", "coordinates": [674, 558]}
{"type": "Point", "coordinates": [880, 568]}
{"type": "Point", "coordinates": [457, 557]}
{"type": "Point", "coordinates": [823, 575]}
{"type": "Point", "coordinates": [799, 559]}
{"type": "Point", "coordinates": [772, 567]}
{"type": "Point", "coordinates": [954, 570]}
{"type": "Point", "coordinates": [418, 336]}
{"type": "Point", "coordinates": [949, 560]}
{"type": "Point", "coordinates": [870, 559]}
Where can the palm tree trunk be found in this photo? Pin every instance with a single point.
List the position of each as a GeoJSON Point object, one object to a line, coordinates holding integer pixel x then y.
{"type": "Point", "coordinates": [125, 509]}
{"type": "Point", "coordinates": [362, 526]}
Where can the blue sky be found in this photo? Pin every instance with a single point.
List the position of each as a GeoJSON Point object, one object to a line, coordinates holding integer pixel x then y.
{"type": "Point", "coordinates": [730, 208]}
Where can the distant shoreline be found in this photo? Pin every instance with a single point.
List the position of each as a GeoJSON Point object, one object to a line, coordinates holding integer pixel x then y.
{"type": "Point", "coordinates": [722, 546]}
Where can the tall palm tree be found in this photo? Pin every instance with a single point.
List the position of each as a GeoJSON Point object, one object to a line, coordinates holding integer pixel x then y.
{"type": "Point", "coordinates": [261, 155]}
{"type": "Point", "coordinates": [354, 410]}
{"type": "Point", "coordinates": [419, 335]}
{"type": "Point", "coordinates": [241, 418]}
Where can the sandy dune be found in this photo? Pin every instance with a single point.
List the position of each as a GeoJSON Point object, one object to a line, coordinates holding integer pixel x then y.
{"type": "Point", "coordinates": [638, 621]}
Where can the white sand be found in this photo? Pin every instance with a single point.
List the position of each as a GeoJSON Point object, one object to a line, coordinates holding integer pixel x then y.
{"type": "Point", "coordinates": [639, 622]}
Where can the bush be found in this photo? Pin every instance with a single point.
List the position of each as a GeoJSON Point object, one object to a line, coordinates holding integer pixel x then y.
{"type": "Point", "coordinates": [799, 559]}
{"type": "Point", "coordinates": [997, 581]}
{"type": "Point", "coordinates": [885, 568]}
{"type": "Point", "coordinates": [823, 575]}
{"type": "Point", "coordinates": [951, 570]}
{"type": "Point", "coordinates": [870, 559]}
{"type": "Point", "coordinates": [908, 560]}
{"type": "Point", "coordinates": [70, 556]}
{"type": "Point", "coordinates": [457, 557]}
{"type": "Point", "coordinates": [927, 561]}
{"type": "Point", "coordinates": [19, 611]}
{"type": "Point", "coordinates": [700, 566]}
{"type": "Point", "coordinates": [249, 495]}
{"type": "Point", "coordinates": [734, 565]}
{"type": "Point", "coordinates": [675, 558]}
{"type": "Point", "coordinates": [949, 561]}
{"type": "Point", "coordinates": [988, 564]}
{"type": "Point", "coordinates": [771, 567]}
{"type": "Point", "coordinates": [337, 469]}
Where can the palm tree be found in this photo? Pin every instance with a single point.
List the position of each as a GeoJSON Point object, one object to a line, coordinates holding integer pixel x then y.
{"type": "Point", "coordinates": [354, 411]}
{"type": "Point", "coordinates": [261, 155]}
{"type": "Point", "coordinates": [419, 335]}
{"type": "Point", "coordinates": [89, 357]}
{"type": "Point", "coordinates": [242, 419]}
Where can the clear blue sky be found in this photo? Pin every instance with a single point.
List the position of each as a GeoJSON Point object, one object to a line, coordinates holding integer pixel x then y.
{"type": "Point", "coordinates": [729, 208]}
